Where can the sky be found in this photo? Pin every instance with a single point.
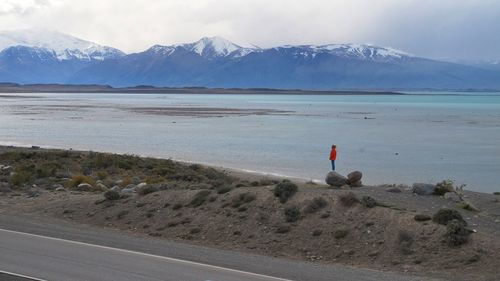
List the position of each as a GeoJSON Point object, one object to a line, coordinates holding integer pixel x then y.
{"type": "Point", "coordinates": [457, 30]}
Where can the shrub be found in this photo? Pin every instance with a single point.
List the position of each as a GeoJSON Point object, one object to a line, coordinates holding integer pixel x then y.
{"type": "Point", "coordinates": [126, 181]}
{"type": "Point", "coordinates": [79, 179]}
{"type": "Point", "coordinates": [340, 233]}
{"type": "Point", "coordinates": [368, 202]}
{"type": "Point", "coordinates": [421, 217]}
{"type": "Point", "coordinates": [147, 189]}
{"type": "Point", "coordinates": [456, 233]}
{"type": "Point", "coordinates": [177, 206]}
{"type": "Point", "coordinates": [292, 213]}
{"type": "Point", "coordinates": [223, 189]}
{"type": "Point", "coordinates": [283, 229]}
{"type": "Point", "coordinates": [20, 178]}
{"type": "Point", "coordinates": [195, 230]}
{"type": "Point", "coordinates": [285, 190]}
{"type": "Point", "coordinates": [444, 216]}
{"type": "Point", "coordinates": [405, 240]}
{"type": "Point", "coordinates": [315, 205]}
{"type": "Point", "coordinates": [102, 175]}
{"type": "Point", "coordinates": [317, 232]}
{"type": "Point", "coordinates": [444, 187]}
{"type": "Point", "coordinates": [242, 198]}
{"type": "Point", "coordinates": [199, 198]}
{"type": "Point", "coordinates": [112, 195]}
{"type": "Point", "coordinates": [348, 199]}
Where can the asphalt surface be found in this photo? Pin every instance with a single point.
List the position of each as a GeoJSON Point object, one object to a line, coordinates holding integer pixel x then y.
{"type": "Point", "coordinates": [56, 250]}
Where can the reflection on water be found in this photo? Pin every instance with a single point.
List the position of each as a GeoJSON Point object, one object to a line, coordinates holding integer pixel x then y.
{"type": "Point", "coordinates": [392, 139]}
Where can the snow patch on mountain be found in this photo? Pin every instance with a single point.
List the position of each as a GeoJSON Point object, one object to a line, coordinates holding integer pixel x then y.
{"type": "Point", "coordinates": [64, 46]}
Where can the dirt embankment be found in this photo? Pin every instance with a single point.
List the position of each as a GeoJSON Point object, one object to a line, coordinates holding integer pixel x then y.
{"type": "Point", "coordinates": [365, 226]}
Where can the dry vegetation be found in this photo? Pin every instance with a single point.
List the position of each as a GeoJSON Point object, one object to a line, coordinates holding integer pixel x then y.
{"type": "Point", "coordinates": [202, 205]}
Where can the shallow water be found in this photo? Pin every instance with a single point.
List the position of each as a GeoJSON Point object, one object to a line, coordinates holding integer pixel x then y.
{"type": "Point", "coordinates": [391, 139]}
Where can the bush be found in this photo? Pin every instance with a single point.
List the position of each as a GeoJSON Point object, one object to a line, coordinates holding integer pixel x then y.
{"type": "Point", "coordinates": [79, 179]}
{"type": "Point", "coordinates": [20, 178]}
{"type": "Point", "coordinates": [223, 189]}
{"type": "Point", "coordinates": [112, 195]}
{"type": "Point", "coordinates": [368, 202]}
{"type": "Point", "coordinates": [340, 233]}
{"type": "Point", "coordinates": [285, 190]}
{"type": "Point", "coordinates": [405, 240]}
{"type": "Point", "coordinates": [147, 190]}
{"type": "Point", "coordinates": [444, 187]}
{"type": "Point", "coordinates": [456, 233]}
{"type": "Point", "coordinates": [200, 198]}
{"type": "Point", "coordinates": [242, 198]}
{"type": "Point", "coordinates": [102, 175]}
{"type": "Point", "coordinates": [444, 216]}
{"type": "Point", "coordinates": [315, 205]}
{"type": "Point", "coordinates": [292, 214]}
{"type": "Point", "coordinates": [283, 229]}
{"type": "Point", "coordinates": [348, 199]}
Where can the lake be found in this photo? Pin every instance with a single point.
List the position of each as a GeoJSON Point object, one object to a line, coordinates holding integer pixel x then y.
{"type": "Point", "coordinates": [423, 137]}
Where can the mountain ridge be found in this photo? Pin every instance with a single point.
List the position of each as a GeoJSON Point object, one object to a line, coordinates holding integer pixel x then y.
{"type": "Point", "coordinates": [219, 63]}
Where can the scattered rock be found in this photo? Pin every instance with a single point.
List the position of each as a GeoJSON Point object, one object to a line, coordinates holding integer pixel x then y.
{"type": "Point", "coordinates": [60, 188]}
{"type": "Point", "coordinates": [112, 195]}
{"type": "Point", "coordinates": [354, 177]}
{"type": "Point", "coordinates": [423, 188]}
{"type": "Point", "coordinates": [4, 187]}
{"type": "Point", "coordinates": [84, 187]}
{"type": "Point", "coordinates": [453, 197]}
{"type": "Point", "coordinates": [129, 190]}
{"type": "Point", "coordinates": [33, 193]}
{"type": "Point", "coordinates": [335, 179]}
{"type": "Point", "coordinates": [116, 188]}
{"type": "Point", "coordinates": [101, 187]}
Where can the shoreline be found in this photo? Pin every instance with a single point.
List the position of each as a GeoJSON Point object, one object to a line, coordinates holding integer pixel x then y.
{"type": "Point", "coordinates": [372, 227]}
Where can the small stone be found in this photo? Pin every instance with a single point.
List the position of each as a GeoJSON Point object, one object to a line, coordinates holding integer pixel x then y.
{"type": "Point", "coordinates": [84, 187]}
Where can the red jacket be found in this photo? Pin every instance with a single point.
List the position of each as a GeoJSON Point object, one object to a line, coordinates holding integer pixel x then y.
{"type": "Point", "coordinates": [333, 154]}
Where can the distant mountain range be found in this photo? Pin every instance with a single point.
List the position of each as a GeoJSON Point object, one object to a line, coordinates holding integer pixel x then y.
{"type": "Point", "coordinates": [30, 57]}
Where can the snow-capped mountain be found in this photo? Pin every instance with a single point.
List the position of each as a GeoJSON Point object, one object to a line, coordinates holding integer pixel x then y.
{"type": "Point", "coordinates": [63, 46]}
{"type": "Point", "coordinates": [207, 47]}
{"type": "Point", "coordinates": [218, 47]}
{"type": "Point", "coordinates": [51, 57]}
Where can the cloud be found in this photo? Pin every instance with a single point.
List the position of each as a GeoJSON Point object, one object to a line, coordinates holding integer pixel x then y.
{"type": "Point", "coordinates": [22, 7]}
{"type": "Point", "coordinates": [451, 29]}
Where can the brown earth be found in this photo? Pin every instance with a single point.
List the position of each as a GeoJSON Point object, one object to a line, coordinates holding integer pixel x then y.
{"type": "Point", "coordinates": [240, 212]}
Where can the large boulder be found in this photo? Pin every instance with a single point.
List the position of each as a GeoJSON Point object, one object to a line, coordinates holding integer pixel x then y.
{"type": "Point", "coordinates": [354, 177]}
{"type": "Point", "coordinates": [423, 188]}
{"type": "Point", "coordinates": [335, 179]}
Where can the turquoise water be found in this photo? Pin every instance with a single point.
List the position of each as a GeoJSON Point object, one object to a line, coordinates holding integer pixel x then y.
{"type": "Point", "coordinates": [391, 139]}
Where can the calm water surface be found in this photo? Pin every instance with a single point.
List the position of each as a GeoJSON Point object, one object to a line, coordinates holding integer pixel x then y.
{"type": "Point", "coordinates": [391, 139]}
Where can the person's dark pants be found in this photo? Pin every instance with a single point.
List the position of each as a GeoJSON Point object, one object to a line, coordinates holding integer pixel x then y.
{"type": "Point", "coordinates": [333, 165]}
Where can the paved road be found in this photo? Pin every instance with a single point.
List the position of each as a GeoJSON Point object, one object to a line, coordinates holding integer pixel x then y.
{"type": "Point", "coordinates": [64, 251]}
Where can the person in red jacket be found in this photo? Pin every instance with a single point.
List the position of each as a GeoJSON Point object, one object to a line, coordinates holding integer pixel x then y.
{"type": "Point", "coordinates": [333, 156]}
